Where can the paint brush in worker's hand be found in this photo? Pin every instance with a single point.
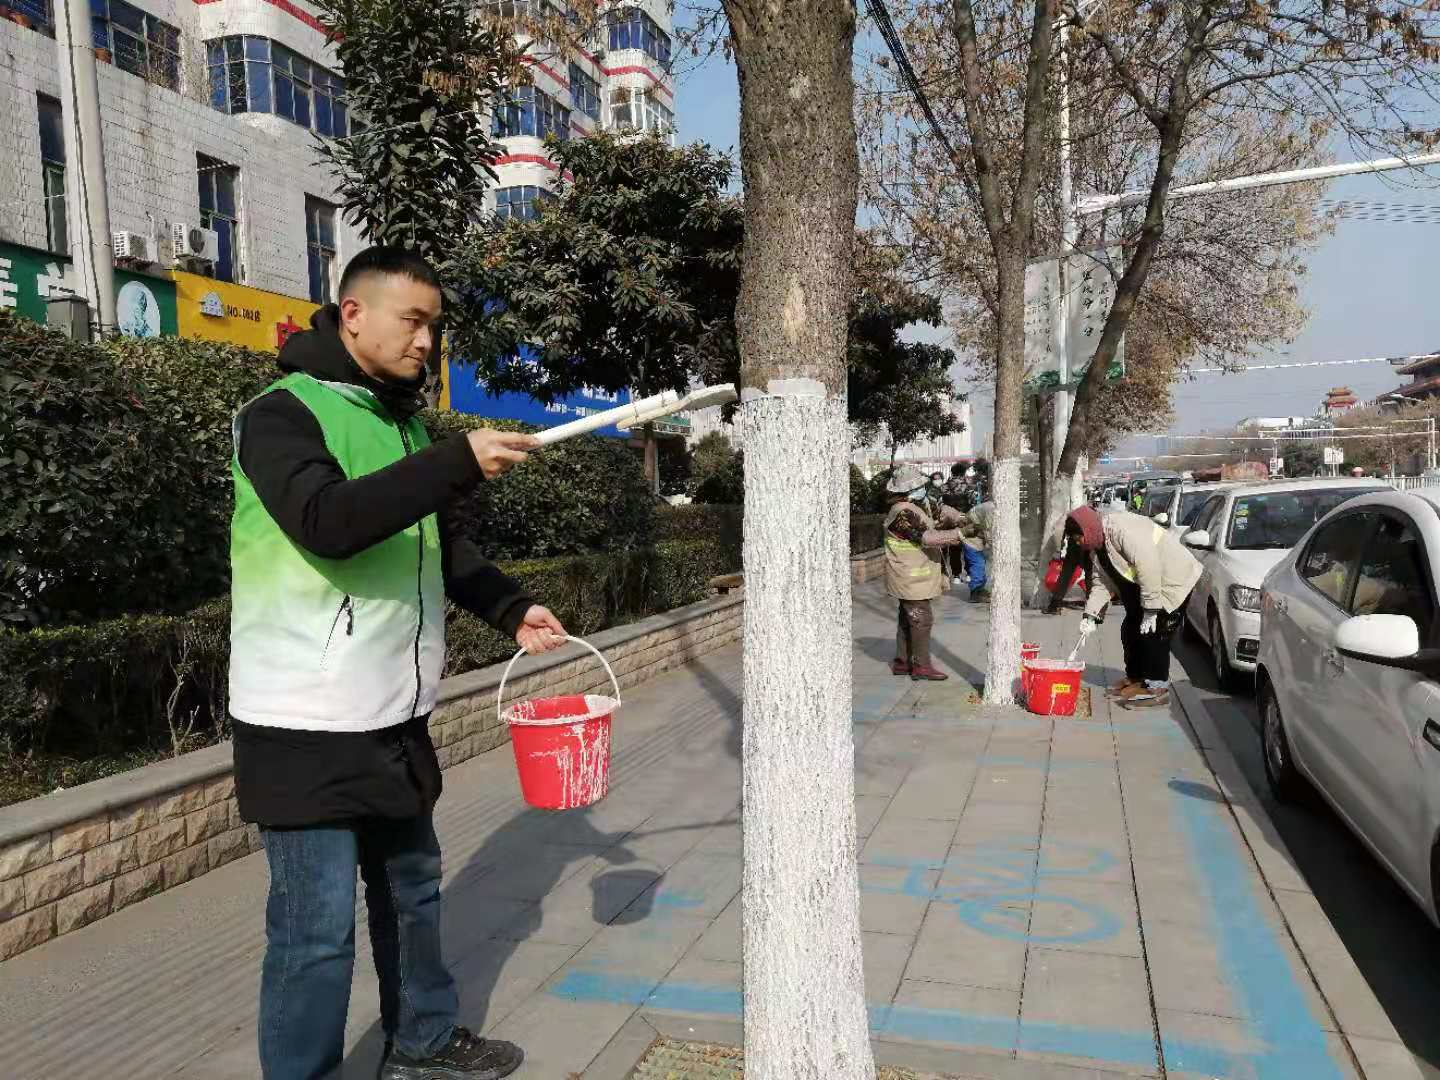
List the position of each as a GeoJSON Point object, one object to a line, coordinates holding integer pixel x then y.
{"type": "Point", "coordinates": [644, 411]}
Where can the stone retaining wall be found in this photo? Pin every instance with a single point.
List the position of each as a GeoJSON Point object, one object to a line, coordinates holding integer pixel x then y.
{"type": "Point", "coordinates": [867, 567]}
{"type": "Point", "coordinates": [71, 858]}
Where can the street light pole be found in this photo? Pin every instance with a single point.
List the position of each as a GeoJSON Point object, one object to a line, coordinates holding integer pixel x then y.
{"type": "Point", "coordinates": [1097, 204]}
{"type": "Point", "coordinates": [86, 196]}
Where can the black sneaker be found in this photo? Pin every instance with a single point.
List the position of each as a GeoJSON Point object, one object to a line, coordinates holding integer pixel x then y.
{"type": "Point", "coordinates": [465, 1057]}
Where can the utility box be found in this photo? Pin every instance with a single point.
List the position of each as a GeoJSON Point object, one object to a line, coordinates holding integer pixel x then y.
{"type": "Point", "coordinates": [70, 315]}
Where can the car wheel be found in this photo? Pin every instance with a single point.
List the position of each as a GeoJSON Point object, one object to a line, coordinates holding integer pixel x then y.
{"type": "Point", "coordinates": [1286, 783]}
{"type": "Point", "coordinates": [1225, 675]}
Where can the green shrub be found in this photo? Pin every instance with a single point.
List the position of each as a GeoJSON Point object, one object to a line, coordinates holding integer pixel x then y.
{"type": "Point", "coordinates": [580, 495]}
{"type": "Point", "coordinates": [155, 685]}
{"type": "Point", "coordinates": [717, 471]}
{"type": "Point", "coordinates": [113, 488]}
{"type": "Point", "coordinates": [859, 492]}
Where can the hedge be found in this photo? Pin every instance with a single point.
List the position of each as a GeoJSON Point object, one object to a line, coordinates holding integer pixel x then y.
{"type": "Point", "coordinates": [726, 525]}
{"type": "Point", "coordinates": [115, 491]}
{"type": "Point", "coordinates": [157, 683]}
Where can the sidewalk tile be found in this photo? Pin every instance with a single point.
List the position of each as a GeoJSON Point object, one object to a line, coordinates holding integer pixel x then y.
{"type": "Point", "coordinates": [899, 837]}
{"type": "Point", "coordinates": [560, 1037]}
{"type": "Point", "coordinates": [885, 957]}
{"type": "Point", "coordinates": [1082, 916]}
{"type": "Point", "coordinates": [494, 980]}
{"type": "Point", "coordinates": [869, 809]}
{"type": "Point", "coordinates": [949, 950]}
{"type": "Point", "coordinates": [1082, 990]}
{"type": "Point", "coordinates": [1384, 1059]}
{"type": "Point", "coordinates": [721, 940]}
{"type": "Point", "coordinates": [1185, 971]}
{"type": "Point", "coordinates": [698, 885]}
{"type": "Point", "coordinates": [885, 905]}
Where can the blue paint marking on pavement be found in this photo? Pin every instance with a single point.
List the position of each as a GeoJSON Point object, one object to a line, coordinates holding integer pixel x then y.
{"type": "Point", "coordinates": [1293, 1043]}
{"type": "Point", "coordinates": [997, 1033]}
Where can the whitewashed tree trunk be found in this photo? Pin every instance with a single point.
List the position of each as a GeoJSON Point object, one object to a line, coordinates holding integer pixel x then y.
{"type": "Point", "coordinates": [1003, 661]}
{"type": "Point", "coordinates": [805, 1015]}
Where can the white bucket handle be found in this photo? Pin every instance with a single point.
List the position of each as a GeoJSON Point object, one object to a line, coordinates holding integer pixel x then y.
{"type": "Point", "coordinates": [500, 694]}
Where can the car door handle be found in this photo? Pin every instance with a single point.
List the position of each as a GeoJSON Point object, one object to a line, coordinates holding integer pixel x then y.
{"type": "Point", "coordinates": [1431, 733]}
{"type": "Point", "coordinates": [1335, 660]}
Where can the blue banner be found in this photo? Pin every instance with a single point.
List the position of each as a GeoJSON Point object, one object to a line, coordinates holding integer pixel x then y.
{"type": "Point", "coordinates": [469, 395]}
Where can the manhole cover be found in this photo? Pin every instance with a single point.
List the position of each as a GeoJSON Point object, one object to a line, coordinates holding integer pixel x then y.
{"type": "Point", "coordinates": [668, 1059]}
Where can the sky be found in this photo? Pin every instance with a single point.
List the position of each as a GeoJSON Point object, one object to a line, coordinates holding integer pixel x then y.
{"type": "Point", "coordinates": [1370, 289]}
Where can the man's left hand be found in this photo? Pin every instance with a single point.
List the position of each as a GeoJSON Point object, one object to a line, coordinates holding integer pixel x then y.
{"type": "Point", "coordinates": [540, 632]}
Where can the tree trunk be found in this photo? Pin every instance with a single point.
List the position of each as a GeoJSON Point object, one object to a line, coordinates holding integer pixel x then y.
{"type": "Point", "coordinates": [652, 459]}
{"type": "Point", "coordinates": [805, 1016]}
{"type": "Point", "coordinates": [1003, 662]}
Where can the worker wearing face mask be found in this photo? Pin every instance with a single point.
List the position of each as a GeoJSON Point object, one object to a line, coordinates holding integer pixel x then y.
{"type": "Point", "coordinates": [914, 568]}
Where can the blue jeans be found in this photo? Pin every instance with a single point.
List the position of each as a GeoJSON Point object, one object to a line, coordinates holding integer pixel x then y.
{"type": "Point", "coordinates": [975, 568]}
{"type": "Point", "coordinates": [310, 942]}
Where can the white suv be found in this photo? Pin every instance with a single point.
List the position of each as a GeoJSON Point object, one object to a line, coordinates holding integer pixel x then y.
{"type": "Point", "coordinates": [1349, 678]}
{"type": "Point", "coordinates": [1238, 536]}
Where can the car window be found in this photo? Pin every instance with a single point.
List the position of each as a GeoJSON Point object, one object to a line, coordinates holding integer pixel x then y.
{"type": "Point", "coordinates": [1206, 517]}
{"type": "Point", "coordinates": [1156, 500]}
{"type": "Point", "coordinates": [1191, 503]}
{"type": "Point", "coordinates": [1278, 519]}
{"type": "Point", "coordinates": [1329, 560]}
{"type": "Point", "coordinates": [1391, 579]}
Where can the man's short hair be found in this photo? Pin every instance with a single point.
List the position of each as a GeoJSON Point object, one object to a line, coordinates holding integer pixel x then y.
{"type": "Point", "coordinates": [384, 261]}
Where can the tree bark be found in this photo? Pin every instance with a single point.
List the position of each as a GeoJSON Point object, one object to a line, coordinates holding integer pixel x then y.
{"type": "Point", "coordinates": [805, 1016]}
{"type": "Point", "coordinates": [1003, 659]}
{"type": "Point", "coordinates": [652, 459]}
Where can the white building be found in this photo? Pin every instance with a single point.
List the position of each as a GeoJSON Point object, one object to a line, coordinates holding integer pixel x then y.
{"type": "Point", "coordinates": [944, 451]}
{"type": "Point", "coordinates": [1275, 423]}
{"type": "Point", "coordinates": [210, 109]}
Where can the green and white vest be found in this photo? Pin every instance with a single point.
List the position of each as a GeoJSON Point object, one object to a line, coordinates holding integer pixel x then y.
{"type": "Point", "coordinates": [350, 644]}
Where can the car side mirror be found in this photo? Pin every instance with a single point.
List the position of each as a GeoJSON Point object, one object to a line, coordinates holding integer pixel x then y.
{"type": "Point", "coordinates": [1391, 641]}
{"type": "Point", "coordinates": [1162, 518]}
{"type": "Point", "coordinates": [1199, 538]}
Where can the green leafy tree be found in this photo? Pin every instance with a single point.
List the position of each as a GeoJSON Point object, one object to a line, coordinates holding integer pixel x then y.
{"type": "Point", "coordinates": [717, 472]}
{"type": "Point", "coordinates": [422, 79]}
{"type": "Point", "coordinates": [625, 280]}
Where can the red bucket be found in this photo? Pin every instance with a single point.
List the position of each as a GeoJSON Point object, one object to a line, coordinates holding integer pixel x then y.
{"type": "Point", "coordinates": [562, 744]}
{"type": "Point", "coordinates": [1028, 651]}
{"type": "Point", "coordinates": [1052, 576]}
{"type": "Point", "coordinates": [1054, 686]}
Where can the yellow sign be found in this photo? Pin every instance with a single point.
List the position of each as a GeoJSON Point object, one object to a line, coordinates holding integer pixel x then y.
{"type": "Point", "coordinates": [237, 314]}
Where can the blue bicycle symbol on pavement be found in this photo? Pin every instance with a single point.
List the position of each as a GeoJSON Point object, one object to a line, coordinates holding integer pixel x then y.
{"type": "Point", "coordinates": [1003, 887]}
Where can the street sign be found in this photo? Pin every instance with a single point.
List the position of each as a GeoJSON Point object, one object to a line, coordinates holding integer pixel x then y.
{"type": "Point", "coordinates": [1334, 455]}
{"type": "Point", "coordinates": [1090, 278]}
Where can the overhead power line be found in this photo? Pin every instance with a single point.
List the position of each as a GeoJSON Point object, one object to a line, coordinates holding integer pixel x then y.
{"type": "Point", "coordinates": [881, 14]}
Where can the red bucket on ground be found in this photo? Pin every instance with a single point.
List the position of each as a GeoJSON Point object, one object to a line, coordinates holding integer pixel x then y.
{"type": "Point", "coordinates": [1054, 686]}
{"type": "Point", "coordinates": [562, 744]}
{"type": "Point", "coordinates": [1028, 651]}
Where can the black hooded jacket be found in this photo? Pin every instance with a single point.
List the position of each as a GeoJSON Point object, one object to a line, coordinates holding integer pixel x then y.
{"type": "Point", "coordinates": [288, 778]}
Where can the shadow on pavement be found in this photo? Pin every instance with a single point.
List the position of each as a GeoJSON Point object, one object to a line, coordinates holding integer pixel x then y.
{"type": "Point", "coordinates": [728, 701]}
{"type": "Point", "coordinates": [1395, 947]}
{"type": "Point", "coordinates": [497, 893]}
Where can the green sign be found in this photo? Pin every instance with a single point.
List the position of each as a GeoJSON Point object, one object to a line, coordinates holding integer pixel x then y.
{"type": "Point", "coordinates": [1050, 380]}
{"type": "Point", "coordinates": [144, 305]}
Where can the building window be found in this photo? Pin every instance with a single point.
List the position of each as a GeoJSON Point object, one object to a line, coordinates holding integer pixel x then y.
{"type": "Point", "coordinates": [37, 11]}
{"type": "Point", "coordinates": [519, 202]}
{"type": "Point", "coordinates": [52, 168]}
{"type": "Point", "coordinates": [527, 111]}
{"type": "Point", "coordinates": [320, 248]}
{"type": "Point", "coordinates": [584, 93]}
{"type": "Point", "coordinates": [219, 210]}
{"type": "Point", "coordinates": [138, 42]}
{"type": "Point", "coordinates": [623, 114]}
{"type": "Point", "coordinates": [631, 28]}
{"type": "Point", "coordinates": [255, 74]}
{"type": "Point", "coordinates": [658, 118]}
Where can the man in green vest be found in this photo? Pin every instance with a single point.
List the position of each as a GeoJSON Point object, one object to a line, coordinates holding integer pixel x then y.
{"type": "Point", "coordinates": [342, 559]}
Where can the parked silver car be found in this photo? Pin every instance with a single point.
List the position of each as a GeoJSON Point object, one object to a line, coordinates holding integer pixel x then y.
{"type": "Point", "coordinates": [1349, 677]}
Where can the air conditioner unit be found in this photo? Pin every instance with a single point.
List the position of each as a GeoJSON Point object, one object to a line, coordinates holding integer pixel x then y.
{"type": "Point", "coordinates": [132, 248]}
{"type": "Point", "coordinates": [194, 244]}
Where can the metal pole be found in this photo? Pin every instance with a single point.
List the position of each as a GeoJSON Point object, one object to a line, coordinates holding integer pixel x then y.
{"type": "Point", "coordinates": [85, 194]}
{"type": "Point", "coordinates": [1068, 233]}
{"type": "Point", "coordinates": [1430, 448]}
{"type": "Point", "coordinates": [1096, 204]}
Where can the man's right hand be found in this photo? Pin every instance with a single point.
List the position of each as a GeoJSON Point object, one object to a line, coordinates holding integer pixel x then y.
{"type": "Point", "coordinates": [497, 452]}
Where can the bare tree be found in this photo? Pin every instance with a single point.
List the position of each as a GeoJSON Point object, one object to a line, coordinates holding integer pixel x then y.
{"type": "Point", "coordinates": [805, 1016]}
